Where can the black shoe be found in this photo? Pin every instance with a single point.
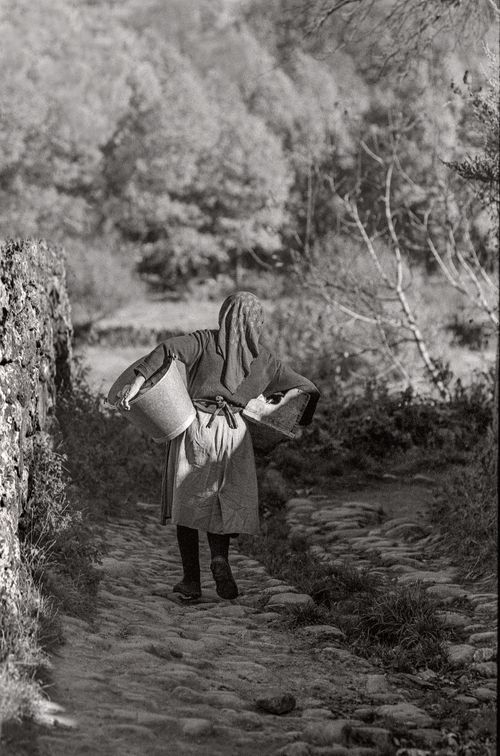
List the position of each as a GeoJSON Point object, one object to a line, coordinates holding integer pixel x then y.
{"type": "Point", "coordinates": [224, 582]}
{"type": "Point", "coordinates": [188, 588]}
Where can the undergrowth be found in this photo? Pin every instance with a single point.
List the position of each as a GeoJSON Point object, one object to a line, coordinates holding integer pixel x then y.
{"type": "Point", "coordinates": [396, 625]}
{"type": "Point", "coordinates": [58, 543]}
{"type": "Point", "coordinates": [367, 429]}
{"type": "Point", "coordinates": [466, 509]}
{"type": "Point", "coordinates": [112, 464]}
{"type": "Point", "coordinates": [94, 465]}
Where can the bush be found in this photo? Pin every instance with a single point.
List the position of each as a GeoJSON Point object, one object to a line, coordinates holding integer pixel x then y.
{"type": "Point", "coordinates": [57, 541]}
{"type": "Point", "coordinates": [466, 511]}
{"type": "Point", "coordinates": [377, 424]}
{"type": "Point", "coordinates": [111, 462]}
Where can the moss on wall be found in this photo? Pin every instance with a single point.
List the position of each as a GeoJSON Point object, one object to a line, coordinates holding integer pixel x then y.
{"type": "Point", "coordinates": [35, 362]}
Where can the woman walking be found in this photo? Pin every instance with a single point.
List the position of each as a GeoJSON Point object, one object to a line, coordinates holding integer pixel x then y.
{"type": "Point", "coordinates": [210, 481]}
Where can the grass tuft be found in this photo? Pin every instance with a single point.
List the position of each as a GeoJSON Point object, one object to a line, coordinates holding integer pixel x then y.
{"type": "Point", "coordinates": [466, 511]}
{"type": "Point", "coordinates": [397, 625]}
{"type": "Point", "coordinates": [58, 544]}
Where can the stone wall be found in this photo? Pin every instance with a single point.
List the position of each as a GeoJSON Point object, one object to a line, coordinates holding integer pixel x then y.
{"type": "Point", "coordinates": [35, 362]}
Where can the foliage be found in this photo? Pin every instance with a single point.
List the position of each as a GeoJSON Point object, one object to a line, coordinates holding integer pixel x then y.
{"type": "Point", "coordinates": [467, 511]}
{"type": "Point", "coordinates": [58, 543]}
{"type": "Point", "coordinates": [200, 138]}
{"type": "Point", "coordinates": [400, 625]}
{"type": "Point", "coordinates": [380, 619]}
{"type": "Point", "coordinates": [480, 127]}
{"type": "Point", "coordinates": [110, 462]}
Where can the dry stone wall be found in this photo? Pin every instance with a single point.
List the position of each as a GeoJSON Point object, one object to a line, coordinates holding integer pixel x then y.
{"type": "Point", "coordinates": [35, 362]}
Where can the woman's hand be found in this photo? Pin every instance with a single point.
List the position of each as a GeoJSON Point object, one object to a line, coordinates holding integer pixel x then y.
{"type": "Point", "coordinates": [129, 391]}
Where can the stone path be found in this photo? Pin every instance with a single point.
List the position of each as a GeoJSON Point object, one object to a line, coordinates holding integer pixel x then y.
{"type": "Point", "coordinates": [401, 547]}
{"type": "Point", "coordinates": [153, 676]}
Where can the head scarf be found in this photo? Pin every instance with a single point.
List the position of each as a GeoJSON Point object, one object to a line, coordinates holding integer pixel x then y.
{"type": "Point", "coordinates": [241, 320]}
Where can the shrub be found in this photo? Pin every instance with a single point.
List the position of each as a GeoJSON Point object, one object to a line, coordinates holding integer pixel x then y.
{"type": "Point", "coordinates": [466, 511]}
{"type": "Point", "coordinates": [57, 540]}
{"type": "Point", "coordinates": [20, 651]}
{"type": "Point", "coordinates": [108, 459]}
{"type": "Point", "coordinates": [376, 424]}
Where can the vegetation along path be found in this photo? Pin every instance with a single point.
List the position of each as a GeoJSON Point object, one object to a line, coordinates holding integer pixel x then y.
{"type": "Point", "coordinates": [153, 675]}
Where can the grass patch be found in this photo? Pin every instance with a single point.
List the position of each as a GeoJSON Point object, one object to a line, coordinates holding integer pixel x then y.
{"type": "Point", "coordinates": [395, 625]}
{"type": "Point", "coordinates": [58, 543]}
{"type": "Point", "coordinates": [112, 464]}
{"type": "Point", "coordinates": [466, 512]}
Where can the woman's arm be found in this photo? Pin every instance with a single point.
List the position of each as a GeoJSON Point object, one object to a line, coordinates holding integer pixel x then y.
{"type": "Point", "coordinates": [287, 380]}
{"type": "Point", "coordinates": [186, 348]}
{"type": "Point", "coordinates": [130, 390]}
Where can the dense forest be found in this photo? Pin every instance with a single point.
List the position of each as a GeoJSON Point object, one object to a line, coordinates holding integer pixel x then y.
{"type": "Point", "coordinates": [175, 142]}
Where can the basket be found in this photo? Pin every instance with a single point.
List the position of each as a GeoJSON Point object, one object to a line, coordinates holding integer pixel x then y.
{"type": "Point", "coordinates": [281, 425]}
{"type": "Point", "coordinates": [163, 408]}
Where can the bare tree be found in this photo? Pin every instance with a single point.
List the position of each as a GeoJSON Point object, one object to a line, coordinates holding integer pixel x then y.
{"type": "Point", "coordinates": [383, 304]}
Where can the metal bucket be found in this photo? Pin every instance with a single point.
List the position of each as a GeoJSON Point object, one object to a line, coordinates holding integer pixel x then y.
{"type": "Point", "coordinates": [272, 429]}
{"type": "Point", "coordinates": [163, 408]}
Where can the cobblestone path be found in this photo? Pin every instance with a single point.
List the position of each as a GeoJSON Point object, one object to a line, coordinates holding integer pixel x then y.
{"type": "Point", "coordinates": [153, 676]}
{"type": "Point", "coordinates": [400, 546]}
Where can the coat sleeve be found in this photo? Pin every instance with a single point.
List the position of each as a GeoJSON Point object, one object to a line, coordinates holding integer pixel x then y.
{"type": "Point", "coordinates": [284, 379]}
{"type": "Point", "coordinates": [187, 349]}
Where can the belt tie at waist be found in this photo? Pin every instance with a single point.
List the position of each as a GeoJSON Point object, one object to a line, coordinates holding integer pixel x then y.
{"type": "Point", "coordinates": [221, 408]}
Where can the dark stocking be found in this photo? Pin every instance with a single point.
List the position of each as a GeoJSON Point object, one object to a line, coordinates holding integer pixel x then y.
{"type": "Point", "coordinates": [219, 544]}
{"type": "Point", "coordinates": [190, 586]}
{"type": "Point", "coordinates": [224, 581]}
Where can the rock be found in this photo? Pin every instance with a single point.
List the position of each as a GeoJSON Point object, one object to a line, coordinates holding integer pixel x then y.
{"type": "Point", "coordinates": [488, 636]}
{"type": "Point", "coordinates": [468, 700]}
{"type": "Point", "coordinates": [195, 728]}
{"type": "Point", "coordinates": [428, 736]}
{"type": "Point", "coordinates": [365, 713]}
{"type": "Point", "coordinates": [364, 735]}
{"type": "Point", "coordinates": [447, 591]}
{"type": "Point", "coordinates": [276, 702]}
{"type": "Point", "coordinates": [316, 714]}
{"type": "Point", "coordinates": [460, 654]}
{"type": "Point", "coordinates": [183, 693]}
{"type": "Point", "coordinates": [406, 714]}
{"type": "Point", "coordinates": [328, 733]}
{"type": "Point", "coordinates": [275, 590]}
{"type": "Point", "coordinates": [425, 576]}
{"type": "Point", "coordinates": [376, 684]}
{"type": "Point", "coordinates": [485, 655]}
{"type": "Point", "coordinates": [484, 694]}
{"type": "Point", "coordinates": [410, 530]}
{"type": "Point", "coordinates": [490, 607]}
{"type": "Point", "coordinates": [485, 669]}
{"type": "Point", "coordinates": [323, 631]}
{"type": "Point", "coordinates": [295, 749]}
{"type": "Point", "coordinates": [453, 619]}
{"type": "Point", "coordinates": [299, 503]}
{"type": "Point", "coordinates": [289, 599]}
{"type": "Point", "coordinates": [265, 617]}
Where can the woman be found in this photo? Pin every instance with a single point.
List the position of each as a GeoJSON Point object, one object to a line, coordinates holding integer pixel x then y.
{"type": "Point", "coordinates": [210, 481]}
